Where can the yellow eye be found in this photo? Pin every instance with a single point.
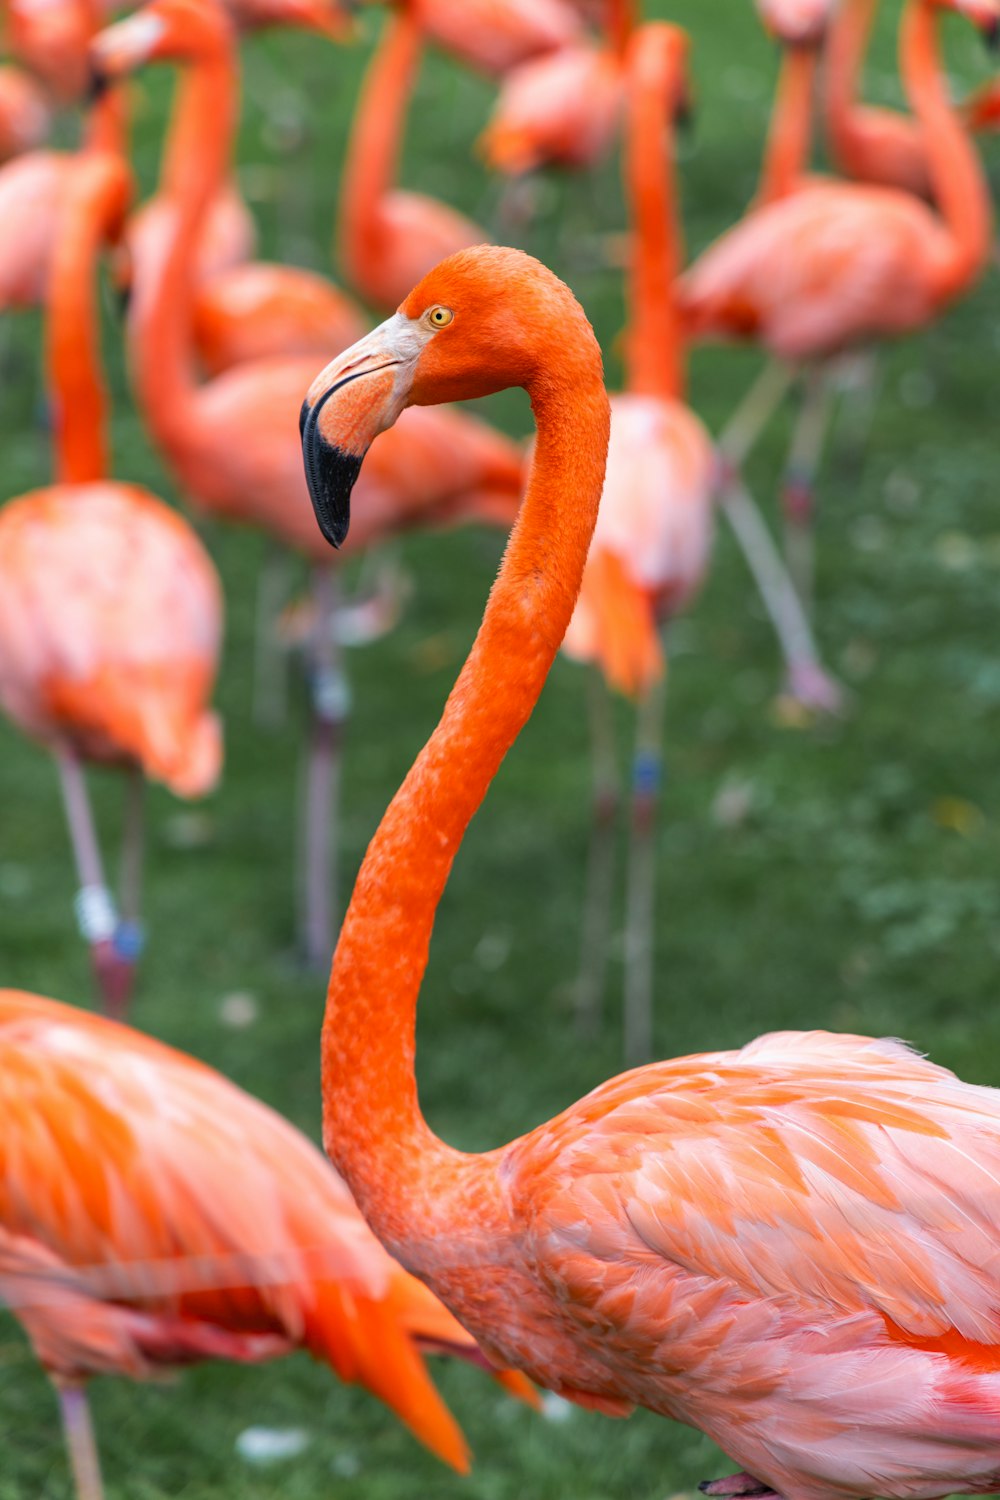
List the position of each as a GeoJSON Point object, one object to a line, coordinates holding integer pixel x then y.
{"type": "Point", "coordinates": [440, 317]}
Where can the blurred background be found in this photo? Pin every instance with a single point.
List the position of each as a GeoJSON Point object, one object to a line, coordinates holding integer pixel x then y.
{"type": "Point", "coordinates": [836, 873]}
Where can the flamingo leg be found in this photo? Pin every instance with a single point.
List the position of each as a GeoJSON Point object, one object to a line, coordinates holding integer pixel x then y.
{"type": "Point", "coordinates": [80, 1444]}
{"type": "Point", "coordinates": [330, 705]}
{"type": "Point", "coordinates": [591, 980]}
{"type": "Point", "coordinates": [808, 679]}
{"type": "Point", "coordinates": [270, 678]}
{"type": "Point", "coordinates": [799, 488]}
{"type": "Point", "coordinates": [129, 937]}
{"type": "Point", "coordinates": [858, 379]}
{"type": "Point", "coordinates": [517, 207]}
{"type": "Point", "coordinates": [96, 916]}
{"type": "Point", "coordinates": [740, 434]}
{"type": "Point", "coordinates": [647, 771]}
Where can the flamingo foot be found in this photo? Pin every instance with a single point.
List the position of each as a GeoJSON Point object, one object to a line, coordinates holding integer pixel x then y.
{"type": "Point", "coordinates": [813, 687]}
{"type": "Point", "coordinates": [742, 1485]}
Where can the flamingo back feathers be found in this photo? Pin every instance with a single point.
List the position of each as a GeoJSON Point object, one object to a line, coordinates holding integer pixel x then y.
{"type": "Point", "coordinates": [151, 1212]}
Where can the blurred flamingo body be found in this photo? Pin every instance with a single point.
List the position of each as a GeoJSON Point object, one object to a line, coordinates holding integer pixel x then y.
{"type": "Point", "coordinates": [153, 1215]}
{"type": "Point", "coordinates": [389, 239]}
{"type": "Point", "coordinates": [114, 662]}
{"type": "Point", "coordinates": [25, 118]}
{"type": "Point", "coordinates": [562, 110]}
{"type": "Point", "coordinates": [791, 1247]}
{"type": "Point", "coordinates": [231, 440]}
{"type": "Point", "coordinates": [497, 35]}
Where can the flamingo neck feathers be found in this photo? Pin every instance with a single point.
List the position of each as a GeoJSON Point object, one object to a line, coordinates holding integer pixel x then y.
{"type": "Point", "coordinates": [399, 1172]}
{"type": "Point", "coordinates": [161, 317]}
{"type": "Point", "coordinates": [789, 140]}
{"type": "Point", "coordinates": [654, 350]}
{"type": "Point", "coordinates": [620, 25]}
{"type": "Point", "coordinates": [956, 175]}
{"type": "Point", "coordinates": [850, 31]}
{"type": "Point", "coordinates": [373, 150]}
{"type": "Point", "coordinates": [105, 130]}
{"type": "Point", "coordinates": [96, 195]}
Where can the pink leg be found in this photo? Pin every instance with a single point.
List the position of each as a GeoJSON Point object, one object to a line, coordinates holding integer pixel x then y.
{"type": "Point", "coordinates": [799, 489]}
{"type": "Point", "coordinates": [640, 898]}
{"type": "Point", "coordinates": [740, 1486]}
{"type": "Point", "coordinates": [95, 908]}
{"type": "Point", "coordinates": [80, 1442]}
{"type": "Point", "coordinates": [328, 687]}
{"type": "Point", "coordinates": [601, 860]}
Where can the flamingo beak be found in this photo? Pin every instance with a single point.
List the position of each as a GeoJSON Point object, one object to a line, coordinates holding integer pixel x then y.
{"type": "Point", "coordinates": [122, 48]}
{"type": "Point", "coordinates": [357, 396]}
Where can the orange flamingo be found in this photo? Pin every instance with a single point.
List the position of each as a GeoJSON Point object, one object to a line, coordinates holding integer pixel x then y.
{"type": "Point", "coordinates": [231, 441]}
{"type": "Point", "coordinates": [800, 26]}
{"type": "Point", "coordinates": [114, 662]}
{"type": "Point", "coordinates": [791, 1247]}
{"type": "Point", "coordinates": [50, 39]}
{"type": "Point", "coordinates": [153, 1215]}
{"type": "Point", "coordinates": [563, 109]}
{"type": "Point", "coordinates": [841, 263]}
{"type": "Point", "coordinates": [388, 238]}
{"type": "Point", "coordinates": [25, 118]}
{"type": "Point", "coordinates": [651, 546]}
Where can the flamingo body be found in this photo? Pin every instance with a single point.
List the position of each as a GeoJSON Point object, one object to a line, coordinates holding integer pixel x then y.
{"type": "Point", "coordinates": [153, 1214]}
{"type": "Point", "coordinates": [263, 311]}
{"type": "Point", "coordinates": [25, 118]}
{"type": "Point", "coordinates": [32, 187]}
{"type": "Point", "coordinates": [811, 275]}
{"type": "Point", "coordinates": [884, 147]}
{"type": "Point", "coordinates": [117, 659]}
{"type": "Point", "coordinates": [497, 35]}
{"type": "Point", "coordinates": [652, 540]}
{"type": "Point", "coordinates": [560, 110]}
{"type": "Point", "coordinates": [226, 238]}
{"type": "Point", "coordinates": [408, 234]}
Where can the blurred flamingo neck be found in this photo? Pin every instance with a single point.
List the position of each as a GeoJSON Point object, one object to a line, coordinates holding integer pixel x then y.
{"type": "Point", "coordinates": [106, 124]}
{"type": "Point", "coordinates": [789, 140]}
{"type": "Point", "coordinates": [620, 24]}
{"type": "Point", "coordinates": [373, 150]}
{"type": "Point", "coordinates": [955, 172]}
{"type": "Point", "coordinates": [654, 353]}
{"type": "Point", "coordinates": [845, 54]}
{"type": "Point", "coordinates": [72, 331]}
{"type": "Point", "coordinates": [373, 1128]}
{"type": "Point", "coordinates": [160, 319]}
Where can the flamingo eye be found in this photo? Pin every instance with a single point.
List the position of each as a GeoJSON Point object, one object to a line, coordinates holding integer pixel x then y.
{"type": "Point", "coordinates": [440, 317]}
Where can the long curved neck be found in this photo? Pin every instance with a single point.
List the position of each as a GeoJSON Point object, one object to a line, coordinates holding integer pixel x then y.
{"type": "Point", "coordinates": [846, 47]}
{"type": "Point", "coordinates": [620, 24]}
{"type": "Point", "coordinates": [654, 355]}
{"type": "Point", "coordinates": [96, 194]}
{"type": "Point", "coordinates": [161, 311]}
{"type": "Point", "coordinates": [373, 1128]}
{"type": "Point", "coordinates": [956, 175]}
{"type": "Point", "coordinates": [106, 124]}
{"type": "Point", "coordinates": [373, 151]}
{"type": "Point", "coordinates": [789, 139]}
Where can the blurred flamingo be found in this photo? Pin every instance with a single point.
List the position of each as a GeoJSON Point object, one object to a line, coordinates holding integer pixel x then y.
{"type": "Point", "coordinates": [50, 39]}
{"type": "Point", "coordinates": [230, 442]}
{"type": "Point", "coordinates": [110, 609]}
{"type": "Point", "coordinates": [497, 35]}
{"type": "Point", "coordinates": [563, 109]}
{"type": "Point", "coordinates": [653, 535]}
{"type": "Point", "coordinates": [839, 264]}
{"type": "Point", "coordinates": [388, 239]}
{"type": "Point", "coordinates": [25, 117]}
{"type": "Point", "coordinates": [792, 1247]}
{"type": "Point", "coordinates": [800, 26]}
{"type": "Point", "coordinates": [153, 1215]}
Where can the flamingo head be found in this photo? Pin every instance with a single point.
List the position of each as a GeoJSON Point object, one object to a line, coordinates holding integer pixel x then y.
{"type": "Point", "coordinates": [482, 320]}
{"type": "Point", "coordinates": [165, 30]}
{"type": "Point", "coordinates": [661, 52]}
{"type": "Point", "coordinates": [331, 18]}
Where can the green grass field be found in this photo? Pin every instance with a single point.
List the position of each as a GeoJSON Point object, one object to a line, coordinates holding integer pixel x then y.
{"type": "Point", "coordinates": [834, 875]}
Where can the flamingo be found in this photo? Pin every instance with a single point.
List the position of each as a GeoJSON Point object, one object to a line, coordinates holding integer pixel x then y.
{"type": "Point", "coordinates": [651, 546]}
{"type": "Point", "coordinates": [50, 39]}
{"type": "Point", "coordinates": [154, 1215]}
{"type": "Point", "coordinates": [389, 239]}
{"type": "Point", "coordinates": [791, 1247]}
{"type": "Point", "coordinates": [112, 662]}
{"type": "Point", "coordinates": [562, 109]}
{"type": "Point", "coordinates": [837, 264]}
{"type": "Point", "coordinates": [497, 35]}
{"type": "Point", "coordinates": [800, 26]}
{"type": "Point", "coordinates": [230, 442]}
{"type": "Point", "coordinates": [25, 118]}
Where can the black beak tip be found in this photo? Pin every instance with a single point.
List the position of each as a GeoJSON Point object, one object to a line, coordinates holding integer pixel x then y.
{"type": "Point", "coordinates": [991, 36]}
{"type": "Point", "coordinates": [331, 475]}
{"type": "Point", "coordinates": [98, 83]}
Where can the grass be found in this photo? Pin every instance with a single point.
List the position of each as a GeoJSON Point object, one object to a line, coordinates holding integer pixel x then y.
{"type": "Point", "coordinates": [839, 875]}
